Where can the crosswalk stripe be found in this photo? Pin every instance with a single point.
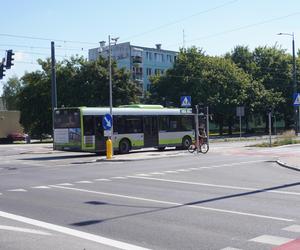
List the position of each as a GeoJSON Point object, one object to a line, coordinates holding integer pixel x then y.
{"type": "Point", "coordinates": [65, 184]}
{"type": "Point", "coordinates": [83, 182]}
{"type": "Point", "coordinates": [292, 228]}
{"type": "Point", "coordinates": [270, 239]}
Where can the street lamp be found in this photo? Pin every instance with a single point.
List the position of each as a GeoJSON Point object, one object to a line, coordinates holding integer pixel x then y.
{"type": "Point", "coordinates": [110, 42]}
{"type": "Point", "coordinates": [294, 75]}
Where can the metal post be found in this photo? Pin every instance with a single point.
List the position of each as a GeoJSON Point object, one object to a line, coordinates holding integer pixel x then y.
{"type": "Point", "coordinates": [53, 86]}
{"type": "Point", "coordinates": [110, 93]}
{"type": "Point", "coordinates": [240, 127]}
{"type": "Point", "coordinates": [294, 84]}
{"type": "Point", "coordinates": [207, 125]}
{"type": "Point", "coordinates": [270, 128]}
{"type": "Point", "coordinates": [197, 128]}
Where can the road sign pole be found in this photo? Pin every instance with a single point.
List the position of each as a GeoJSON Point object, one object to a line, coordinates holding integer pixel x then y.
{"type": "Point", "coordinates": [197, 128]}
{"type": "Point", "coordinates": [299, 119]}
{"type": "Point", "coordinates": [207, 125]}
{"type": "Point", "coordinates": [270, 128]}
{"type": "Point", "coordinates": [240, 127]}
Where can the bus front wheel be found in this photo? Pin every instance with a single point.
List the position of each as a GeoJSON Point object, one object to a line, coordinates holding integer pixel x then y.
{"type": "Point", "coordinates": [124, 146]}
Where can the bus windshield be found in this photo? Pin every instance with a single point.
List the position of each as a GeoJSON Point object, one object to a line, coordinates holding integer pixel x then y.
{"type": "Point", "coordinates": [67, 118]}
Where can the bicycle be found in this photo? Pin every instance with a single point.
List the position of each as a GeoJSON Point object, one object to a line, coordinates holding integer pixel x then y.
{"type": "Point", "coordinates": [203, 146]}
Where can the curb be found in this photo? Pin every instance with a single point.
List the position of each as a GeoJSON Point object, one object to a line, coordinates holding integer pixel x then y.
{"type": "Point", "coordinates": [151, 157]}
{"type": "Point", "coordinates": [285, 165]}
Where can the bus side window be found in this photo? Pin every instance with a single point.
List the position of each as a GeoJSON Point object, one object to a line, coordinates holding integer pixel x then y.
{"type": "Point", "coordinates": [88, 125]}
{"type": "Point", "coordinates": [187, 123]}
{"type": "Point", "coordinates": [163, 123]}
{"type": "Point", "coordinates": [174, 123]}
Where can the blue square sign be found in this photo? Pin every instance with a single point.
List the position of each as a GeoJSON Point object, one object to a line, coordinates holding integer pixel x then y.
{"type": "Point", "coordinates": [186, 101]}
{"type": "Point", "coordinates": [296, 99]}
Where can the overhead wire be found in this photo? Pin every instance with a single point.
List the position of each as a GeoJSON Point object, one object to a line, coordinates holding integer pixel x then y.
{"type": "Point", "coordinates": [45, 39]}
{"type": "Point", "coordinates": [181, 20]}
{"type": "Point", "coordinates": [240, 28]}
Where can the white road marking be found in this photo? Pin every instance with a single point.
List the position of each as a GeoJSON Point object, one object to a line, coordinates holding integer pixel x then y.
{"type": "Point", "coordinates": [65, 184]}
{"type": "Point", "coordinates": [102, 180]}
{"type": "Point", "coordinates": [230, 248]}
{"type": "Point", "coordinates": [272, 240]}
{"type": "Point", "coordinates": [217, 186]}
{"type": "Point", "coordinates": [83, 182]}
{"type": "Point", "coordinates": [142, 174]}
{"type": "Point", "coordinates": [157, 173]}
{"type": "Point", "coordinates": [72, 232]}
{"type": "Point", "coordinates": [41, 187]}
{"type": "Point", "coordinates": [119, 177]}
{"type": "Point", "coordinates": [293, 228]}
{"type": "Point", "coordinates": [176, 204]}
{"type": "Point", "coordinates": [17, 190]}
{"type": "Point", "coordinates": [192, 168]}
{"type": "Point", "coordinates": [183, 170]}
{"type": "Point", "coordinates": [23, 230]}
{"type": "Point", "coordinates": [170, 171]}
{"type": "Point", "coordinates": [230, 164]}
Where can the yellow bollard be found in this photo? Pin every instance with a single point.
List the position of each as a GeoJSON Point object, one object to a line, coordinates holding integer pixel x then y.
{"type": "Point", "coordinates": [108, 149]}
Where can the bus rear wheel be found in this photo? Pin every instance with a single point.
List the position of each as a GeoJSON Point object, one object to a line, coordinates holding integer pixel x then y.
{"type": "Point", "coordinates": [124, 146]}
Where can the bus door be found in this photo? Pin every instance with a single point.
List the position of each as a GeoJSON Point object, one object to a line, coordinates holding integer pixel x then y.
{"type": "Point", "coordinates": [99, 134]}
{"type": "Point", "coordinates": [150, 131]}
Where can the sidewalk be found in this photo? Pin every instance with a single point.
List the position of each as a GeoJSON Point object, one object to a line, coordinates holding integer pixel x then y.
{"type": "Point", "coordinates": [290, 162]}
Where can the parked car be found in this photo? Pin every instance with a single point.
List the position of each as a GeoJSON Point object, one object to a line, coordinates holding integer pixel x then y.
{"type": "Point", "coordinates": [16, 137]}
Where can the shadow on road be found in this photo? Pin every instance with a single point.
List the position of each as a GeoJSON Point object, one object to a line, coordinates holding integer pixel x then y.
{"type": "Point", "coordinates": [62, 157]}
{"type": "Point", "coordinates": [158, 209]}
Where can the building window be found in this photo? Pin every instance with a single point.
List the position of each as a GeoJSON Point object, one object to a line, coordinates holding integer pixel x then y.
{"type": "Point", "coordinates": [149, 56]}
{"type": "Point", "coordinates": [158, 57]}
{"type": "Point", "coordinates": [169, 58]}
{"type": "Point", "coordinates": [149, 71]}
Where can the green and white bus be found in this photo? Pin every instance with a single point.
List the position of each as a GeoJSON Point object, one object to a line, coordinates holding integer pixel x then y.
{"type": "Point", "coordinates": [134, 127]}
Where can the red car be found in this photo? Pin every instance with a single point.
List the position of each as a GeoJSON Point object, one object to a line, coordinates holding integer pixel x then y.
{"type": "Point", "coordinates": [16, 137]}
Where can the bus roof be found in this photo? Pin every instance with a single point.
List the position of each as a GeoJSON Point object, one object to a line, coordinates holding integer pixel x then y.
{"type": "Point", "coordinates": [135, 111]}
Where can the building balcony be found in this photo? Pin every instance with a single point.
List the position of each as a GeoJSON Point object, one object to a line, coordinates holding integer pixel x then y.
{"type": "Point", "coordinates": [137, 59]}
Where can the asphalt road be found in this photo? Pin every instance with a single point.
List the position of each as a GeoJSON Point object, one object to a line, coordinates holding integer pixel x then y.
{"type": "Point", "coordinates": [231, 198]}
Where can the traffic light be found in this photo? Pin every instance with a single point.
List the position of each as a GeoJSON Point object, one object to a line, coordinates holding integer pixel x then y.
{"type": "Point", "coordinates": [2, 70]}
{"type": "Point", "coordinates": [9, 59]}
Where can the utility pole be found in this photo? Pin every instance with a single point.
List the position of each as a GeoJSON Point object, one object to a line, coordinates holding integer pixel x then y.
{"type": "Point", "coordinates": [294, 77]}
{"type": "Point", "coordinates": [295, 84]}
{"type": "Point", "coordinates": [53, 85]}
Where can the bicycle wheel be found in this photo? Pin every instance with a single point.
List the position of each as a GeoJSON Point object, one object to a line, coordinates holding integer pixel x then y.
{"type": "Point", "coordinates": [204, 148]}
{"type": "Point", "coordinates": [192, 148]}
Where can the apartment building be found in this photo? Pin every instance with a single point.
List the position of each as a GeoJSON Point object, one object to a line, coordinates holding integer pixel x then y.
{"type": "Point", "coordinates": [142, 62]}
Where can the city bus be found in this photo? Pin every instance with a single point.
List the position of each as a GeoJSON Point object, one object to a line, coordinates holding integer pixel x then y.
{"type": "Point", "coordinates": [134, 127]}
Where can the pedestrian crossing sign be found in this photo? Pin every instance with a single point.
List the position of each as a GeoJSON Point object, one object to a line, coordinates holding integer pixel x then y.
{"type": "Point", "coordinates": [296, 99]}
{"type": "Point", "coordinates": [186, 101]}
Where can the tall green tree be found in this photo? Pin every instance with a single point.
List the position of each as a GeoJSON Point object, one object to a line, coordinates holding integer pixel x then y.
{"type": "Point", "coordinates": [79, 83]}
{"type": "Point", "coordinates": [11, 90]}
{"type": "Point", "coordinates": [213, 81]}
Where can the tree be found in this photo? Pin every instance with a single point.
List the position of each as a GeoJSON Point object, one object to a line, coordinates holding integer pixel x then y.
{"type": "Point", "coordinates": [79, 83]}
{"type": "Point", "coordinates": [11, 90]}
{"type": "Point", "coordinates": [213, 81]}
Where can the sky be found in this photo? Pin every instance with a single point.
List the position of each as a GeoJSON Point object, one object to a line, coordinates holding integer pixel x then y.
{"type": "Point", "coordinates": [216, 26]}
